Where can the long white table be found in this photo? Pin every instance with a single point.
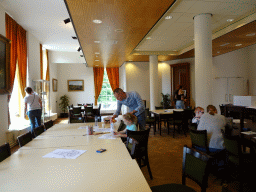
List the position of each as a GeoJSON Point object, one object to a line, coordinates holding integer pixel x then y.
{"type": "Point", "coordinates": [112, 170]}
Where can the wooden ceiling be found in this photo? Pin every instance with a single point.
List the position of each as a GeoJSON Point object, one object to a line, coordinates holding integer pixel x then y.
{"type": "Point", "coordinates": [135, 18]}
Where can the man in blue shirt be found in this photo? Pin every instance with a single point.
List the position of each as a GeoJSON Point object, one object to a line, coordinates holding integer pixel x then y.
{"type": "Point", "coordinates": [134, 102]}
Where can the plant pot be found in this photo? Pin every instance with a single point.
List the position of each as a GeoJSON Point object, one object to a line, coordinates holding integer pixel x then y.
{"type": "Point", "coordinates": [63, 115]}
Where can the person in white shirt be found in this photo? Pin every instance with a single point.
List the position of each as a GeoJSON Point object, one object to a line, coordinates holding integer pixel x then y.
{"type": "Point", "coordinates": [213, 123]}
{"type": "Point", "coordinates": [33, 108]}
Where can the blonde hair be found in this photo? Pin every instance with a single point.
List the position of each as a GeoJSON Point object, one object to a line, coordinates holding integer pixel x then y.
{"type": "Point", "coordinates": [130, 117]}
{"type": "Point", "coordinates": [211, 109]}
{"type": "Point", "coordinates": [198, 109]}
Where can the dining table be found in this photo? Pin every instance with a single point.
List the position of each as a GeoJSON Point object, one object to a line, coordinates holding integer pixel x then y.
{"type": "Point", "coordinates": [163, 114]}
{"type": "Point", "coordinates": [37, 167]}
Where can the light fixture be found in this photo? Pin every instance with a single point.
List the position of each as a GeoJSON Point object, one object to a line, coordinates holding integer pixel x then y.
{"type": "Point", "coordinates": [119, 30]}
{"type": "Point", "coordinates": [168, 17]}
{"type": "Point", "coordinates": [224, 44]}
{"type": "Point", "coordinates": [74, 37]}
{"type": "Point", "coordinates": [238, 44]}
{"type": "Point", "coordinates": [97, 60]}
{"type": "Point", "coordinates": [148, 38]}
{"type": "Point", "coordinates": [81, 56]}
{"type": "Point", "coordinates": [79, 49]}
{"type": "Point", "coordinates": [230, 20]}
{"type": "Point", "coordinates": [96, 65]}
{"type": "Point", "coordinates": [250, 34]}
{"type": "Point", "coordinates": [218, 52]}
{"type": "Point", "coordinates": [97, 21]}
{"type": "Point", "coordinates": [96, 41]}
{"type": "Point", "coordinates": [97, 53]}
{"type": "Point", "coordinates": [67, 20]}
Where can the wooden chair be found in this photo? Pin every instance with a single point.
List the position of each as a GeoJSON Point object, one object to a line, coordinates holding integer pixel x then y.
{"type": "Point", "coordinates": [195, 166]}
{"type": "Point", "coordinates": [199, 139]}
{"type": "Point", "coordinates": [76, 120]}
{"type": "Point", "coordinates": [24, 139]}
{"type": "Point", "coordinates": [77, 112]}
{"type": "Point", "coordinates": [80, 104]}
{"type": "Point", "coordinates": [5, 151]}
{"type": "Point", "coordinates": [48, 124]}
{"type": "Point", "coordinates": [138, 147]}
{"type": "Point", "coordinates": [150, 120]}
{"type": "Point", "coordinates": [39, 130]}
{"type": "Point", "coordinates": [178, 119]}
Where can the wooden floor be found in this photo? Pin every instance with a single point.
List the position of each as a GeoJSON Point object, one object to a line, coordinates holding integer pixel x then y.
{"type": "Point", "coordinates": [165, 157]}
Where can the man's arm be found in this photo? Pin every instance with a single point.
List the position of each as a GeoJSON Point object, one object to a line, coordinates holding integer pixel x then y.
{"type": "Point", "coordinates": [25, 110]}
{"type": "Point", "coordinates": [119, 105]}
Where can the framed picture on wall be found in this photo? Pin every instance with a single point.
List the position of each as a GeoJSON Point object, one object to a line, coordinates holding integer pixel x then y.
{"type": "Point", "coordinates": [75, 85]}
{"type": "Point", "coordinates": [54, 85]}
{"type": "Point", "coordinates": [4, 64]}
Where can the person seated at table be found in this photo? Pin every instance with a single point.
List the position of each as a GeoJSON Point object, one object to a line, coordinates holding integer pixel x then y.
{"type": "Point", "coordinates": [213, 123]}
{"type": "Point", "coordinates": [199, 111]}
{"type": "Point", "coordinates": [130, 121]}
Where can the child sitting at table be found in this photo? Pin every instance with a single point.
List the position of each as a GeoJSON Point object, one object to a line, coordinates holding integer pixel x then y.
{"type": "Point", "coordinates": [130, 121]}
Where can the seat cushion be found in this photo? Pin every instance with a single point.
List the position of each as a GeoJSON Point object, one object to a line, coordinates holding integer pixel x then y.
{"type": "Point", "coordinates": [172, 187]}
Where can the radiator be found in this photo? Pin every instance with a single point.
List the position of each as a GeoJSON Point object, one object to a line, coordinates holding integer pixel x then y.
{"type": "Point", "coordinates": [11, 136]}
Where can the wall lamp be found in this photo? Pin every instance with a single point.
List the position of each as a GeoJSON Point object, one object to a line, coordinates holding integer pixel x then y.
{"type": "Point", "coordinates": [79, 49]}
{"type": "Point", "coordinates": [67, 20]}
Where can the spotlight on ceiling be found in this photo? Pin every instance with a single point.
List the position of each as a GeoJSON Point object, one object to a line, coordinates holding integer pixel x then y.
{"type": "Point", "coordinates": [74, 37]}
{"type": "Point", "coordinates": [67, 20]}
{"type": "Point", "coordinates": [79, 49]}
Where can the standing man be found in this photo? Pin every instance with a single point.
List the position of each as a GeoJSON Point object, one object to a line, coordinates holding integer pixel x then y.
{"type": "Point", "coordinates": [134, 102]}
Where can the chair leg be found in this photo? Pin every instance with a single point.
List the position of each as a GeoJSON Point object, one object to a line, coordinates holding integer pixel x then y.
{"type": "Point", "coordinates": [168, 127]}
{"type": "Point", "coordinates": [173, 130]}
{"type": "Point", "coordinates": [149, 170]}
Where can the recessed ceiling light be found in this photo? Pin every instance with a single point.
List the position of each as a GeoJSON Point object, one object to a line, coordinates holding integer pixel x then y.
{"type": "Point", "coordinates": [96, 65]}
{"type": "Point", "coordinates": [148, 38]}
{"type": "Point", "coordinates": [250, 34]}
{"type": "Point", "coordinates": [97, 60]}
{"type": "Point", "coordinates": [114, 42]}
{"type": "Point", "coordinates": [97, 53]}
{"type": "Point", "coordinates": [238, 45]}
{"type": "Point", "coordinates": [119, 30]}
{"type": "Point", "coordinates": [168, 17]}
{"type": "Point", "coordinates": [96, 41]}
{"type": "Point", "coordinates": [130, 60]}
{"type": "Point", "coordinates": [230, 20]}
{"type": "Point", "coordinates": [224, 44]}
{"type": "Point", "coordinates": [96, 21]}
{"type": "Point", "coordinates": [218, 52]}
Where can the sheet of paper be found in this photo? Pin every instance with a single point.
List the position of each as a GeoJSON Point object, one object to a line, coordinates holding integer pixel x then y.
{"type": "Point", "coordinates": [108, 136]}
{"type": "Point", "coordinates": [86, 127]}
{"type": "Point", "coordinates": [65, 153]}
{"type": "Point", "coordinates": [104, 130]}
{"type": "Point", "coordinates": [248, 133]}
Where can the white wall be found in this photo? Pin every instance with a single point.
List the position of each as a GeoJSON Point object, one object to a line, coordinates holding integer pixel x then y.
{"type": "Point", "coordinates": [3, 98]}
{"type": "Point", "coordinates": [53, 75]}
{"type": "Point", "coordinates": [33, 47]}
{"type": "Point", "coordinates": [66, 57]}
{"type": "Point", "coordinates": [75, 72]}
{"type": "Point", "coordinates": [252, 69]}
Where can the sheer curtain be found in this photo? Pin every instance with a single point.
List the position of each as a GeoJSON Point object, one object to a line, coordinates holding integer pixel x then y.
{"type": "Point", "coordinates": [98, 80]}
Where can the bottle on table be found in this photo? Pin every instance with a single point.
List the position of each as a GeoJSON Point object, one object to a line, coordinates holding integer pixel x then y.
{"type": "Point", "coordinates": [96, 120]}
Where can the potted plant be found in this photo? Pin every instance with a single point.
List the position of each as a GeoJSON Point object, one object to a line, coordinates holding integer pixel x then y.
{"type": "Point", "coordinates": [166, 101]}
{"type": "Point", "coordinates": [64, 103]}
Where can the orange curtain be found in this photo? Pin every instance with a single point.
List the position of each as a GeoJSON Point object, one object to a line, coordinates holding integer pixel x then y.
{"type": "Point", "coordinates": [47, 78]}
{"type": "Point", "coordinates": [41, 61]}
{"type": "Point", "coordinates": [113, 77]}
{"type": "Point", "coordinates": [98, 80]}
{"type": "Point", "coordinates": [11, 33]}
{"type": "Point", "coordinates": [22, 57]}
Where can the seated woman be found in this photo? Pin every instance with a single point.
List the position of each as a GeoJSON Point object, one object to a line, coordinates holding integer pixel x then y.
{"type": "Point", "coordinates": [213, 123]}
{"type": "Point", "coordinates": [130, 121]}
{"type": "Point", "coordinates": [199, 111]}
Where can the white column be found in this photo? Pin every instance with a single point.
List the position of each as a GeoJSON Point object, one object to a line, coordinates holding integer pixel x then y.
{"type": "Point", "coordinates": [153, 79]}
{"type": "Point", "coordinates": [203, 60]}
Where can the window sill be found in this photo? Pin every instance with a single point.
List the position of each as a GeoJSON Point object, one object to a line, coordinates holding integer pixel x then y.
{"type": "Point", "coordinates": [19, 124]}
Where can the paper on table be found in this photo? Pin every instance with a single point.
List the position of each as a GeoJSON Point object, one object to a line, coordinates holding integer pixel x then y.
{"type": "Point", "coordinates": [248, 133]}
{"type": "Point", "coordinates": [86, 127]}
{"type": "Point", "coordinates": [101, 130]}
{"type": "Point", "coordinates": [65, 153]}
{"type": "Point", "coordinates": [108, 136]}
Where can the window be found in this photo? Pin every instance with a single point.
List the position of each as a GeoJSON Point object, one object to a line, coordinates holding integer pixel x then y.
{"type": "Point", "coordinates": [107, 98]}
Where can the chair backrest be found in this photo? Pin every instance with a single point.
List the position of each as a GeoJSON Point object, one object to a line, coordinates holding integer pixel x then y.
{"type": "Point", "coordinates": [233, 148]}
{"type": "Point", "coordinates": [193, 126]}
{"type": "Point", "coordinates": [159, 107]}
{"type": "Point", "coordinates": [222, 109]}
{"type": "Point", "coordinates": [38, 130]}
{"type": "Point", "coordinates": [48, 124]}
{"type": "Point", "coordinates": [89, 104]}
{"type": "Point", "coordinates": [199, 139]}
{"type": "Point", "coordinates": [90, 119]}
{"type": "Point", "coordinates": [147, 112]}
{"type": "Point", "coordinates": [24, 139]}
{"type": "Point", "coordinates": [122, 126]}
{"type": "Point", "coordinates": [178, 115]}
{"type": "Point", "coordinates": [5, 151]}
{"type": "Point", "coordinates": [88, 109]}
{"type": "Point", "coordinates": [196, 166]}
{"type": "Point", "coordinates": [141, 137]}
{"type": "Point", "coordinates": [76, 120]}
{"type": "Point", "coordinates": [80, 104]}
{"type": "Point", "coordinates": [77, 110]}
{"type": "Point", "coordinates": [189, 113]}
